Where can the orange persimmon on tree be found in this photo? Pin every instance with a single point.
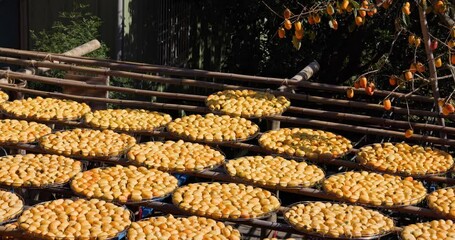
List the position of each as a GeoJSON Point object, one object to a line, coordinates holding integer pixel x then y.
{"type": "Point", "coordinates": [426, 27]}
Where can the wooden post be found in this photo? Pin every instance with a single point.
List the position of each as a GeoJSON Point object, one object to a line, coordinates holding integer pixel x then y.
{"type": "Point", "coordinates": [305, 74]}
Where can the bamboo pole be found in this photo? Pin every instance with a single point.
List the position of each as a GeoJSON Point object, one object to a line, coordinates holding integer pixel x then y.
{"type": "Point", "coordinates": [79, 84]}
{"type": "Point", "coordinates": [199, 98]}
{"type": "Point", "coordinates": [140, 104]}
{"type": "Point", "coordinates": [368, 119]}
{"type": "Point", "coordinates": [81, 50]}
{"type": "Point", "coordinates": [148, 68]}
{"type": "Point", "coordinates": [195, 83]}
{"type": "Point", "coordinates": [302, 76]}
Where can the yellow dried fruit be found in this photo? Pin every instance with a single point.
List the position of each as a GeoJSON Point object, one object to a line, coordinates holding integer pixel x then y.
{"type": "Point", "coordinates": [436, 229]}
{"type": "Point", "coordinates": [45, 109]}
{"type": "Point", "coordinates": [303, 142]}
{"type": "Point", "coordinates": [275, 171]}
{"type": "Point", "coordinates": [213, 128]}
{"type": "Point", "coordinates": [181, 228]}
{"type": "Point", "coordinates": [177, 156]}
{"type": "Point", "coordinates": [120, 183]}
{"type": "Point", "coordinates": [247, 103]}
{"type": "Point", "coordinates": [87, 143]}
{"type": "Point", "coordinates": [75, 219]}
{"type": "Point", "coordinates": [404, 159]}
{"type": "Point", "coordinates": [375, 189]}
{"type": "Point", "coordinates": [443, 201]}
{"type": "Point", "coordinates": [37, 170]}
{"type": "Point", "coordinates": [20, 131]}
{"type": "Point", "coordinates": [338, 220]}
{"type": "Point", "coordinates": [3, 97]}
{"type": "Point", "coordinates": [10, 205]}
{"type": "Point", "coordinates": [225, 201]}
{"type": "Point", "coordinates": [127, 119]}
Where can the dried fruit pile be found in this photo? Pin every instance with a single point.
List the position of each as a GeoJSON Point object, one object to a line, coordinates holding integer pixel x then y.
{"type": "Point", "coordinates": [37, 170]}
{"type": "Point", "coordinates": [247, 103]}
{"type": "Point", "coordinates": [10, 205]}
{"type": "Point", "coordinates": [75, 219]}
{"type": "Point", "coordinates": [303, 142]}
{"type": "Point", "coordinates": [123, 184]}
{"type": "Point", "coordinates": [169, 227]}
{"type": "Point", "coordinates": [19, 131]}
{"type": "Point", "coordinates": [213, 128]}
{"type": "Point", "coordinates": [127, 119]}
{"type": "Point", "coordinates": [177, 156]}
{"type": "Point", "coordinates": [436, 229]}
{"type": "Point", "coordinates": [45, 109]}
{"type": "Point", "coordinates": [338, 220]}
{"type": "Point", "coordinates": [225, 201]}
{"type": "Point", "coordinates": [375, 189]}
{"type": "Point", "coordinates": [275, 171]}
{"type": "Point", "coordinates": [404, 159]}
{"type": "Point", "coordinates": [87, 143]}
{"type": "Point", "coordinates": [443, 202]}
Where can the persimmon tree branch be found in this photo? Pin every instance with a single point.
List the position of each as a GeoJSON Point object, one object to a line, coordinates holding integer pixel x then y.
{"type": "Point", "coordinates": [430, 60]}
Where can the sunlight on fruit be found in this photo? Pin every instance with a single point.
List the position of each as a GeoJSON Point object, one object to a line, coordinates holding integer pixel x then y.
{"type": "Point", "coordinates": [409, 133]}
{"type": "Point", "coordinates": [350, 93]}
{"type": "Point", "coordinates": [387, 104]}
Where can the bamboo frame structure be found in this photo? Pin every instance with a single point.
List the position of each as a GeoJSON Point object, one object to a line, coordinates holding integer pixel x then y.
{"type": "Point", "coordinates": [199, 98]}
{"type": "Point", "coordinates": [166, 70]}
{"type": "Point", "coordinates": [218, 86]}
{"type": "Point", "coordinates": [219, 176]}
{"type": "Point", "coordinates": [190, 108]}
{"type": "Point", "coordinates": [244, 146]}
{"type": "Point", "coordinates": [376, 125]}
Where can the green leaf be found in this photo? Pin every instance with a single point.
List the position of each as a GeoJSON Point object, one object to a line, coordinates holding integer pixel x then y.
{"type": "Point", "coordinates": [405, 19]}
{"type": "Point", "coordinates": [331, 24]}
{"type": "Point", "coordinates": [311, 35]}
{"type": "Point", "coordinates": [352, 27]}
{"type": "Point", "coordinates": [296, 43]}
{"type": "Point", "coordinates": [355, 4]}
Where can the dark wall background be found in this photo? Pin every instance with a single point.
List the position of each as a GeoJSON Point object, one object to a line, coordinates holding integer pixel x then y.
{"type": "Point", "coordinates": [232, 36]}
{"type": "Point", "coordinates": [9, 24]}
